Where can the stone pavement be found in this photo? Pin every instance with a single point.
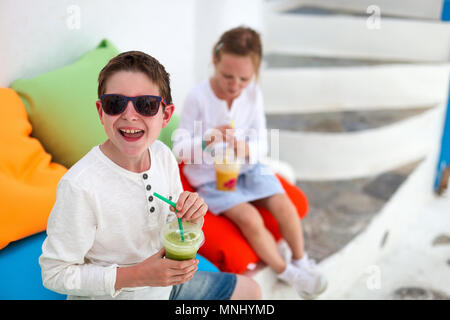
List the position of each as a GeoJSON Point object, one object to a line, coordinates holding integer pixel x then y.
{"type": "Point", "coordinates": [338, 122]}
{"type": "Point", "coordinates": [340, 210]}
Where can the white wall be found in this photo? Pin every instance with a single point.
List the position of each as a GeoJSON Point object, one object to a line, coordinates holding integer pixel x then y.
{"type": "Point", "coordinates": [43, 35]}
{"type": "Point", "coordinates": [215, 17]}
{"type": "Point", "coordinates": [39, 36]}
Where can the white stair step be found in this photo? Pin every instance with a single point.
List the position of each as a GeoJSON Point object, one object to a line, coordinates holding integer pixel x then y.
{"type": "Point", "coordinates": [356, 37]}
{"type": "Point", "coordinates": [359, 87]}
{"type": "Point", "coordinates": [326, 156]}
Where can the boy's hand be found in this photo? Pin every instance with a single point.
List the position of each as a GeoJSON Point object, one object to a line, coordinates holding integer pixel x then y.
{"type": "Point", "coordinates": [156, 271]}
{"type": "Point", "coordinates": [190, 206]}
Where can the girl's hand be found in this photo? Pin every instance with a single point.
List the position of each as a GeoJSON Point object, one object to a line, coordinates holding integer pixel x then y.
{"type": "Point", "coordinates": [190, 207]}
{"type": "Point", "coordinates": [241, 149]}
{"type": "Point", "coordinates": [224, 133]}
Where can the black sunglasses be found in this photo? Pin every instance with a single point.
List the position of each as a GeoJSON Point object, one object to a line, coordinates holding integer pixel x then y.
{"type": "Point", "coordinates": [114, 104]}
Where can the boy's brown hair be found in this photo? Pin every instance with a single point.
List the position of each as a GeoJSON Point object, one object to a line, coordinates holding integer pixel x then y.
{"type": "Point", "coordinates": [137, 61]}
{"type": "Point", "coordinates": [241, 41]}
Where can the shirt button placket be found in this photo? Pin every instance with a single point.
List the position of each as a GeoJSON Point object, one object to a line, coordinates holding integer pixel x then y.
{"type": "Point", "coordinates": [148, 188]}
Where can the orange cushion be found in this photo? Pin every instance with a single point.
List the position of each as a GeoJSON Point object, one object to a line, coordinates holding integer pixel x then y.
{"type": "Point", "coordinates": [225, 246]}
{"type": "Point", "coordinates": [28, 179]}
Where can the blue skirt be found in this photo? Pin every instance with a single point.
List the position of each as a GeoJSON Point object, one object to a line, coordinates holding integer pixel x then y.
{"type": "Point", "coordinates": [257, 183]}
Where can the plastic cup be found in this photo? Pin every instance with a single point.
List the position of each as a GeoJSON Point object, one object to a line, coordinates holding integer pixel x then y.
{"type": "Point", "coordinates": [176, 249]}
{"type": "Point", "coordinates": [226, 176]}
{"type": "Point", "coordinates": [227, 172]}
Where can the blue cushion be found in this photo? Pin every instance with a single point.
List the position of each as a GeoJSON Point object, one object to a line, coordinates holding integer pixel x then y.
{"type": "Point", "coordinates": [20, 275]}
{"type": "Point", "coordinates": [205, 265]}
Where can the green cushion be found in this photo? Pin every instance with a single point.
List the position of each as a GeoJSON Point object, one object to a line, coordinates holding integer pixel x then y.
{"type": "Point", "coordinates": [166, 133]}
{"type": "Point", "coordinates": [61, 105]}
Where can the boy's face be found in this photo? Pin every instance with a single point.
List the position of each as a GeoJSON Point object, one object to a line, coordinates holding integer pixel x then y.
{"type": "Point", "coordinates": [132, 145]}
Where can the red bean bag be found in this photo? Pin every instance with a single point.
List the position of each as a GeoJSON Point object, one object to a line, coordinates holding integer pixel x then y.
{"type": "Point", "coordinates": [225, 246]}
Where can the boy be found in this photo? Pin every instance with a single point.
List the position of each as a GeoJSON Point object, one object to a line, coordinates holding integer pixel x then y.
{"type": "Point", "coordinates": [103, 231]}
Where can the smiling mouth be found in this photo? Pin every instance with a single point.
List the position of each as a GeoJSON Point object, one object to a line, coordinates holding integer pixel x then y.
{"type": "Point", "coordinates": [131, 134]}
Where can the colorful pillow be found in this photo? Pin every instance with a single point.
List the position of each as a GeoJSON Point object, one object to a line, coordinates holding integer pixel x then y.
{"type": "Point", "coordinates": [20, 278]}
{"type": "Point", "coordinates": [166, 132]}
{"type": "Point", "coordinates": [61, 105]}
{"type": "Point", "coordinates": [28, 178]}
{"type": "Point", "coordinates": [228, 249]}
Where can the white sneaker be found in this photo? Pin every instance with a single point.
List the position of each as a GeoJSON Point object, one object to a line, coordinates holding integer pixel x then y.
{"type": "Point", "coordinates": [309, 281]}
{"type": "Point", "coordinates": [309, 285]}
{"type": "Point", "coordinates": [284, 250]}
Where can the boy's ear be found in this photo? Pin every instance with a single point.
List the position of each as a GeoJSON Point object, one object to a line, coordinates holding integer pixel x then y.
{"type": "Point", "coordinates": [98, 104]}
{"type": "Point", "coordinates": [167, 114]}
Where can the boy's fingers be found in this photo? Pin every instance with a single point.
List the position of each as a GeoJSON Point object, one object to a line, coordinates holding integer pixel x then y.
{"type": "Point", "coordinates": [191, 206]}
{"type": "Point", "coordinates": [200, 212]}
{"type": "Point", "coordinates": [181, 200]}
{"type": "Point", "coordinates": [187, 202]}
{"type": "Point", "coordinates": [194, 211]}
{"type": "Point", "coordinates": [185, 270]}
{"type": "Point", "coordinates": [183, 278]}
{"type": "Point", "coordinates": [182, 265]}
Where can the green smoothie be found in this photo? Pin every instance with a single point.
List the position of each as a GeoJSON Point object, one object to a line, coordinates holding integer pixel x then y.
{"type": "Point", "coordinates": [176, 249]}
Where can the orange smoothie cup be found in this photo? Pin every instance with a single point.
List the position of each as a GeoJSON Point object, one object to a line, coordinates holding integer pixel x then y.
{"type": "Point", "coordinates": [227, 175]}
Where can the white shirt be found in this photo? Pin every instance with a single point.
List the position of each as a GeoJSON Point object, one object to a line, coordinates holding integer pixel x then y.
{"type": "Point", "coordinates": [103, 218]}
{"type": "Point", "coordinates": [202, 112]}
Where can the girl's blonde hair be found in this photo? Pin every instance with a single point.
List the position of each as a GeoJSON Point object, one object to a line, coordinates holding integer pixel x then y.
{"type": "Point", "coordinates": [241, 41]}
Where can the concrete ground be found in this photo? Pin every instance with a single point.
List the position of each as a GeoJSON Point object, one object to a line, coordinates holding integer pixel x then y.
{"type": "Point", "coordinates": [416, 267]}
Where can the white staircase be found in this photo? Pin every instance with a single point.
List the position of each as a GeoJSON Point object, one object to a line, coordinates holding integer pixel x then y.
{"type": "Point", "coordinates": [401, 65]}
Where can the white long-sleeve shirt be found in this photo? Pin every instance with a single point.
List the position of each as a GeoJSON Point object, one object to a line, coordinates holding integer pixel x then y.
{"type": "Point", "coordinates": [104, 217]}
{"type": "Point", "coordinates": [202, 112]}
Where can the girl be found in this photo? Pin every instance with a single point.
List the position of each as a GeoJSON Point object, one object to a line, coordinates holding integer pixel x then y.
{"type": "Point", "coordinates": [230, 105]}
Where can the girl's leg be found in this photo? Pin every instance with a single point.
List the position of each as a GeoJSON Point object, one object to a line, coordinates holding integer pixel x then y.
{"type": "Point", "coordinates": [281, 207]}
{"type": "Point", "coordinates": [246, 289]}
{"type": "Point", "coordinates": [247, 218]}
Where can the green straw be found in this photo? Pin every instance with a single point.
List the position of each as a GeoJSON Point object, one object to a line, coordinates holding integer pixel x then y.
{"type": "Point", "coordinates": [174, 205]}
